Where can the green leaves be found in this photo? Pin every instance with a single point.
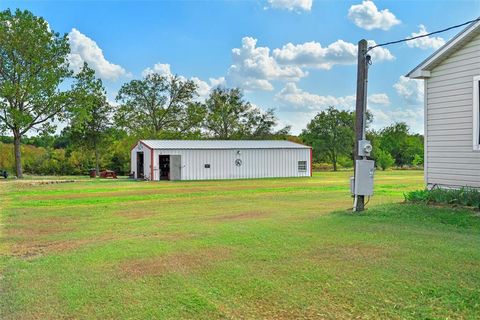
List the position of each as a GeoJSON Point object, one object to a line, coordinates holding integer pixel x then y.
{"type": "Point", "coordinates": [331, 135]}
{"type": "Point", "coordinates": [33, 64]}
{"type": "Point", "coordinates": [228, 116]}
{"type": "Point", "coordinates": [157, 104]}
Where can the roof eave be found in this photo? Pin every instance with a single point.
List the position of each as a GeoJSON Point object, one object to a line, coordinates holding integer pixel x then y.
{"type": "Point", "coordinates": [422, 71]}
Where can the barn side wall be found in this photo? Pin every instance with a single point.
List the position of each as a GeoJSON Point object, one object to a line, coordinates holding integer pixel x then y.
{"type": "Point", "coordinates": [450, 158]}
{"type": "Point", "coordinates": [256, 163]}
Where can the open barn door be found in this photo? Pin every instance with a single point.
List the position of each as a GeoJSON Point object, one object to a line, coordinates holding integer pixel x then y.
{"type": "Point", "coordinates": [175, 167]}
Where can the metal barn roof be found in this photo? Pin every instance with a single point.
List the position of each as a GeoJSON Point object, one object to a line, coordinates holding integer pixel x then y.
{"type": "Point", "coordinates": [223, 144]}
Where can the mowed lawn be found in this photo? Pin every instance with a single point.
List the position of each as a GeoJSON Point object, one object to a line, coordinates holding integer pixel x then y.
{"type": "Point", "coordinates": [243, 249]}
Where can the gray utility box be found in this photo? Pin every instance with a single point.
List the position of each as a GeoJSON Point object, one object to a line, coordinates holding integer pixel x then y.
{"type": "Point", "coordinates": [364, 173]}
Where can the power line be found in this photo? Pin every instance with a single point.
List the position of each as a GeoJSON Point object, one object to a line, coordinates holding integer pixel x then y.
{"type": "Point", "coordinates": [423, 35]}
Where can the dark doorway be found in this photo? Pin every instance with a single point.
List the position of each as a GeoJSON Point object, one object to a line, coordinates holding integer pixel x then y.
{"type": "Point", "coordinates": [140, 173]}
{"type": "Point", "coordinates": [164, 165]}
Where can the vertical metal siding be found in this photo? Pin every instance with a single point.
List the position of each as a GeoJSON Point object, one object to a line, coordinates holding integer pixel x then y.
{"type": "Point", "coordinates": [256, 163]}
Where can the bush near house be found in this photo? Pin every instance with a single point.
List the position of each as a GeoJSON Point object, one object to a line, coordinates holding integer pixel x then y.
{"type": "Point", "coordinates": [465, 197]}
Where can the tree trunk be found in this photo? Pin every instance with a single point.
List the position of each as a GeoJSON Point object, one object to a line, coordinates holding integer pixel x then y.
{"type": "Point", "coordinates": [97, 160]}
{"type": "Point", "coordinates": [334, 160]}
{"type": "Point", "coordinates": [18, 154]}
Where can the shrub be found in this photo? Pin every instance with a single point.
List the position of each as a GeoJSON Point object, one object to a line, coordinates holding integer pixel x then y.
{"type": "Point", "coordinates": [418, 160]}
{"type": "Point", "coordinates": [384, 159]}
{"type": "Point", "coordinates": [465, 196]}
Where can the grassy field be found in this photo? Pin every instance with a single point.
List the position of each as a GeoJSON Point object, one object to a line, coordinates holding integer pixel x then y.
{"type": "Point", "coordinates": [244, 249]}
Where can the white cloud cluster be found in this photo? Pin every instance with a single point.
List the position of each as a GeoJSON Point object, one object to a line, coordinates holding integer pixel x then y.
{"type": "Point", "coordinates": [411, 90]}
{"type": "Point", "coordinates": [367, 16]}
{"type": "Point", "coordinates": [83, 49]}
{"type": "Point", "coordinates": [412, 116]}
{"type": "Point", "coordinates": [298, 99]}
{"type": "Point", "coordinates": [425, 42]}
{"type": "Point", "coordinates": [312, 54]}
{"type": "Point", "coordinates": [253, 67]}
{"type": "Point", "coordinates": [380, 99]}
{"type": "Point", "coordinates": [203, 87]}
{"type": "Point", "coordinates": [159, 68]}
{"type": "Point", "coordinates": [291, 5]}
{"type": "Point", "coordinates": [292, 96]}
{"type": "Point", "coordinates": [298, 107]}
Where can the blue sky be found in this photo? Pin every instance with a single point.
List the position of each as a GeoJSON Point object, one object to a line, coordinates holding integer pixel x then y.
{"type": "Point", "coordinates": [296, 56]}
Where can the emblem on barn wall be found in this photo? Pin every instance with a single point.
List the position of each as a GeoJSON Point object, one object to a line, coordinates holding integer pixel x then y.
{"type": "Point", "coordinates": [140, 147]}
{"type": "Point", "coordinates": [238, 162]}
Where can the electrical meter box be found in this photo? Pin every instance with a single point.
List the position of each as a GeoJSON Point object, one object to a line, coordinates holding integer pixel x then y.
{"type": "Point", "coordinates": [365, 171]}
{"type": "Point", "coordinates": [364, 148]}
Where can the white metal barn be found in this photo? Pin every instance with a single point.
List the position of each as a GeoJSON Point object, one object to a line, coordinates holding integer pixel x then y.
{"type": "Point", "coordinates": [219, 159]}
{"type": "Point", "coordinates": [452, 123]}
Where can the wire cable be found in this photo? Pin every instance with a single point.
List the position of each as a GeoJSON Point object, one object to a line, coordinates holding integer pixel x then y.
{"type": "Point", "coordinates": [423, 35]}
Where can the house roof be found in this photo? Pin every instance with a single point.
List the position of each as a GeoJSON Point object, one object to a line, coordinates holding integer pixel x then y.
{"type": "Point", "coordinates": [422, 71]}
{"type": "Point", "coordinates": [222, 144]}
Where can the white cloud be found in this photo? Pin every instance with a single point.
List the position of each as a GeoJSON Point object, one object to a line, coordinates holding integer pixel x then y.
{"type": "Point", "coordinates": [291, 5]}
{"type": "Point", "coordinates": [312, 54]}
{"type": "Point", "coordinates": [253, 67]}
{"type": "Point", "coordinates": [298, 99]}
{"type": "Point", "coordinates": [218, 82]}
{"type": "Point", "coordinates": [298, 107]}
{"type": "Point", "coordinates": [83, 49]}
{"type": "Point", "coordinates": [159, 68]}
{"type": "Point", "coordinates": [425, 42]}
{"type": "Point", "coordinates": [203, 87]}
{"type": "Point", "coordinates": [367, 16]}
{"type": "Point", "coordinates": [379, 99]}
{"type": "Point", "coordinates": [292, 96]}
{"type": "Point", "coordinates": [411, 90]}
{"type": "Point", "coordinates": [411, 116]}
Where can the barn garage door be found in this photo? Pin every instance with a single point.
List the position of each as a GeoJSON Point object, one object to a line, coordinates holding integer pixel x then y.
{"type": "Point", "coordinates": [175, 167]}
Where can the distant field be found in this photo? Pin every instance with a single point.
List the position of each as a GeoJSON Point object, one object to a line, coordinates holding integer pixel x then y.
{"type": "Point", "coordinates": [271, 248]}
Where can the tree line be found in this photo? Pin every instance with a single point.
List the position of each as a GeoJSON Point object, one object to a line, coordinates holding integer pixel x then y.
{"type": "Point", "coordinates": [35, 94]}
{"type": "Point", "coordinates": [38, 90]}
{"type": "Point", "coordinates": [332, 137]}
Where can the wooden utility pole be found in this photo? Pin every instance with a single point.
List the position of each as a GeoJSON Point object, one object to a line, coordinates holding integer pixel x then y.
{"type": "Point", "coordinates": [361, 108]}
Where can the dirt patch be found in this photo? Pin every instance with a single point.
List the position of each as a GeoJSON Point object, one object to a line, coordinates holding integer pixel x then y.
{"type": "Point", "coordinates": [182, 263]}
{"type": "Point", "coordinates": [31, 250]}
{"type": "Point", "coordinates": [34, 248]}
{"type": "Point", "coordinates": [355, 252]}
{"type": "Point", "coordinates": [136, 213]}
{"type": "Point", "coordinates": [240, 216]}
{"type": "Point", "coordinates": [43, 227]}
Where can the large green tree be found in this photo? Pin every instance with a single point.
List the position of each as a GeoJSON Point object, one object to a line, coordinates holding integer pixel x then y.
{"type": "Point", "coordinates": [400, 143]}
{"type": "Point", "coordinates": [331, 135]}
{"type": "Point", "coordinates": [229, 116]}
{"type": "Point", "coordinates": [33, 64]}
{"type": "Point", "coordinates": [89, 113]}
{"type": "Point", "coordinates": [159, 106]}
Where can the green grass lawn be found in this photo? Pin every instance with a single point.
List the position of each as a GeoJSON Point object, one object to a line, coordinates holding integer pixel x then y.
{"type": "Point", "coordinates": [243, 249]}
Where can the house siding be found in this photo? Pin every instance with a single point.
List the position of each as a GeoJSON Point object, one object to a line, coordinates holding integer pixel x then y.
{"type": "Point", "coordinates": [450, 159]}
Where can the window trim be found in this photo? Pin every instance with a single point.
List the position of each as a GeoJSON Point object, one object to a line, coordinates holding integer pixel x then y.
{"type": "Point", "coordinates": [476, 113]}
{"type": "Point", "coordinates": [303, 162]}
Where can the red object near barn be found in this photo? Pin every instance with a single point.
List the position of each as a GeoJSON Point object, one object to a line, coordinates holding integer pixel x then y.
{"type": "Point", "coordinates": [105, 174]}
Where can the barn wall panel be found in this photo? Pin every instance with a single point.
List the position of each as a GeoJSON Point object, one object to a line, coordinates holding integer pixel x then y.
{"type": "Point", "coordinates": [256, 163]}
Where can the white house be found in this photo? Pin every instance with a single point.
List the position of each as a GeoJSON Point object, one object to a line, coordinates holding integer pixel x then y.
{"type": "Point", "coordinates": [452, 135]}
{"type": "Point", "coordinates": [219, 159]}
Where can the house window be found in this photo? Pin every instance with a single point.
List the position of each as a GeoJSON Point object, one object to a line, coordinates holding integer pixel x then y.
{"type": "Point", "coordinates": [302, 166]}
{"type": "Point", "coordinates": [207, 165]}
{"type": "Point", "coordinates": [476, 113]}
